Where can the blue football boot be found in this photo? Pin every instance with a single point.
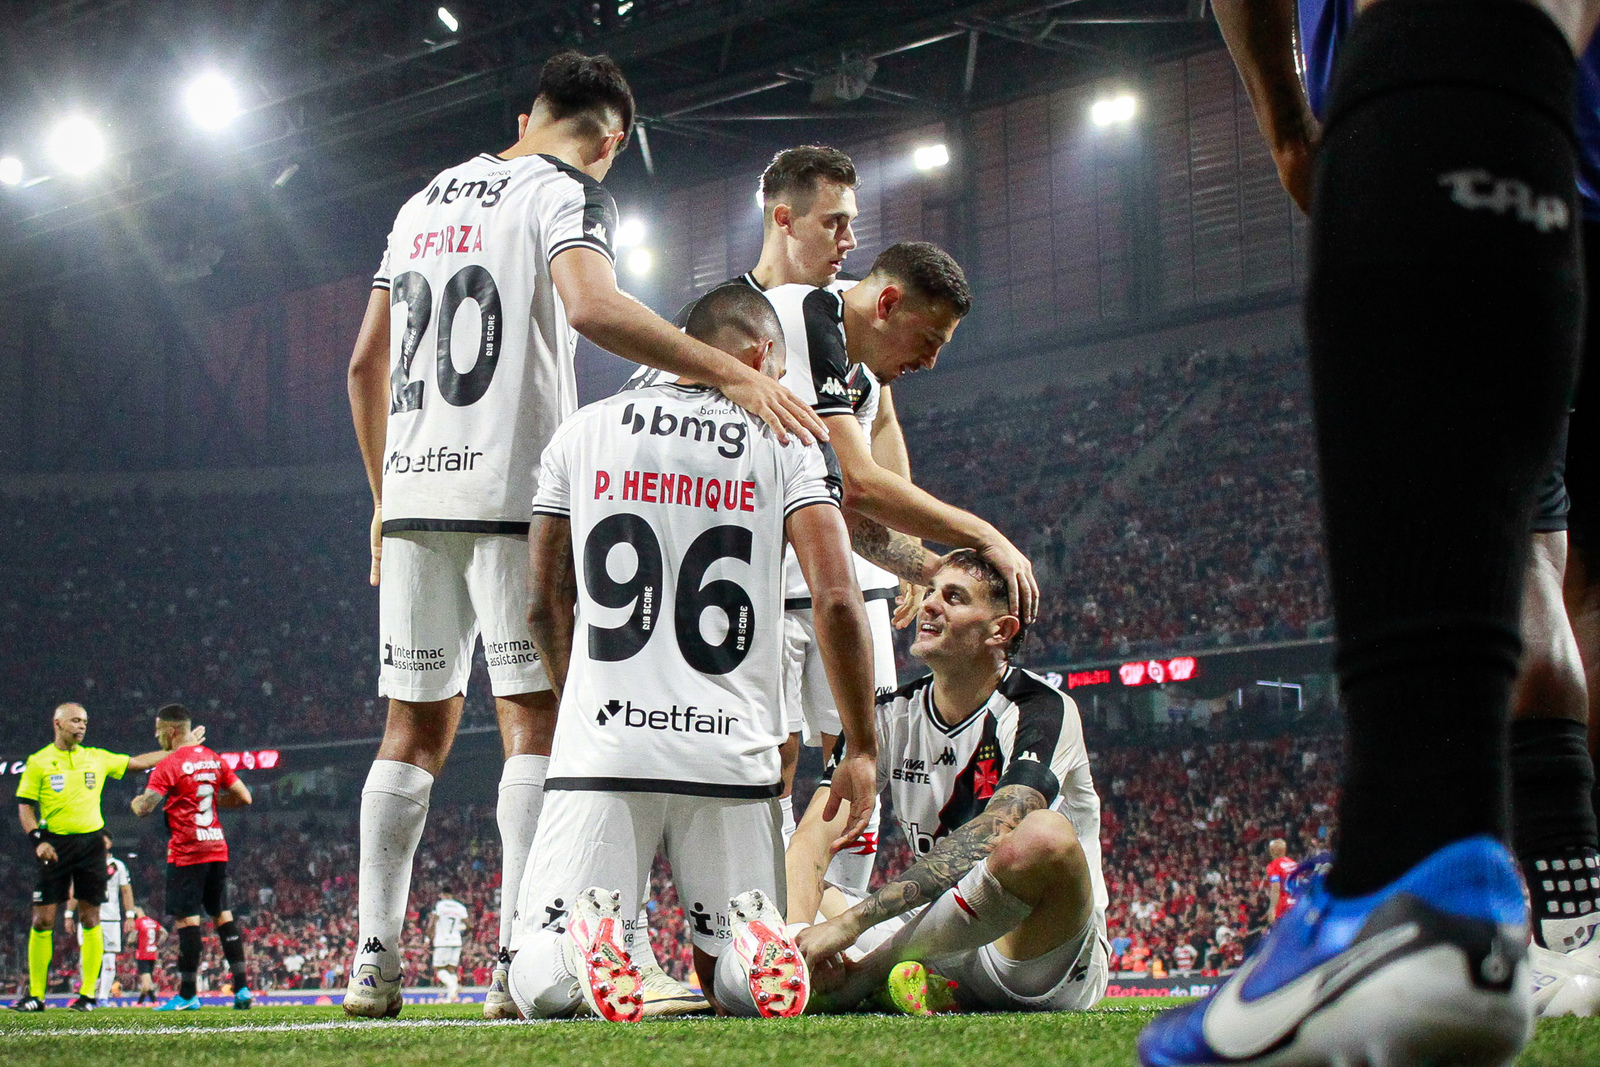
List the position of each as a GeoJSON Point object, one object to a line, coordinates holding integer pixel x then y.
{"type": "Point", "coordinates": [1429, 970]}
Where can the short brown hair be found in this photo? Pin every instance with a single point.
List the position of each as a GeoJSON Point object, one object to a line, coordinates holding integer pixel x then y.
{"type": "Point", "coordinates": [172, 713]}
{"type": "Point", "coordinates": [928, 271]}
{"type": "Point", "coordinates": [738, 307]}
{"type": "Point", "coordinates": [994, 585]}
{"type": "Point", "coordinates": [573, 84]}
{"type": "Point", "coordinates": [793, 174]}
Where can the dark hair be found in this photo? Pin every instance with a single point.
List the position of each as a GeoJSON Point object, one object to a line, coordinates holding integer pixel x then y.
{"type": "Point", "coordinates": [734, 306]}
{"type": "Point", "coordinates": [794, 173]}
{"type": "Point", "coordinates": [994, 585]}
{"type": "Point", "coordinates": [928, 271]}
{"type": "Point", "coordinates": [573, 84]}
{"type": "Point", "coordinates": [172, 713]}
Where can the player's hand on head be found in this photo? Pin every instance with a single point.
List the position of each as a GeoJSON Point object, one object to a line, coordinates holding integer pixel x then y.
{"type": "Point", "coordinates": [855, 781]}
{"type": "Point", "coordinates": [376, 535]}
{"type": "Point", "coordinates": [907, 605]}
{"type": "Point", "coordinates": [1020, 580]}
{"type": "Point", "coordinates": [775, 405]}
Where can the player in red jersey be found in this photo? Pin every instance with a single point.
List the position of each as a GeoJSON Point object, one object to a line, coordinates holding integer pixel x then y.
{"type": "Point", "coordinates": [1279, 871]}
{"type": "Point", "coordinates": [195, 782]}
{"type": "Point", "coordinates": [147, 937]}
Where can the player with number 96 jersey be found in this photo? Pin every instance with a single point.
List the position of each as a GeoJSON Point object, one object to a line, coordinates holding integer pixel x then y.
{"type": "Point", "coordinates": [677, 501]}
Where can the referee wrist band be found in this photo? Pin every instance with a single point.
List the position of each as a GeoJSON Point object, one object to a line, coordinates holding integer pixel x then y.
{"type": "Point", "coordinates": [36, 835]}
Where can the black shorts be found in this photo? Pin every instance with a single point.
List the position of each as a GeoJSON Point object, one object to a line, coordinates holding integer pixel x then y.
{"type": "Point", "coordinates": [80, 861]}
{"type": "Point", "coordinates": [146, 966]}
{"type": "Point", "coordinates": [197, 887]}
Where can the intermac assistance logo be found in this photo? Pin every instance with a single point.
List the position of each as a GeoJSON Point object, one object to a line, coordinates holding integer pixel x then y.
{"type": "Point", "coordinates": [688, 720]}
{"type": "Point", "coordinates": [413, 659]}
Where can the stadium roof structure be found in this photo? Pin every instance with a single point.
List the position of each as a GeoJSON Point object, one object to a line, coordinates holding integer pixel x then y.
{"type": "Point", "coordinates": [344, 108]}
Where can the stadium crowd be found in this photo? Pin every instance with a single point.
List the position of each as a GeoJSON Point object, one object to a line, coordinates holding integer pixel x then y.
{"type": "Point", "coordinates": [1184, 829]}
{"type": "Point", "coordinates": [263, 595]}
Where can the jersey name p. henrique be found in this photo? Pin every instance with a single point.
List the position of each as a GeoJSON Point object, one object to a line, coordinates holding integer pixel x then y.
{"type": "Point", "coordinates": [190, 778]}
{"type": "Point", "coordinates": [941, 777]}
{"type": "Point", "coordinates": [481, 352]}
{"type": "Point", "coordinates": [677, 500]}
{"type": "Point", "coordinates": [449, 920]}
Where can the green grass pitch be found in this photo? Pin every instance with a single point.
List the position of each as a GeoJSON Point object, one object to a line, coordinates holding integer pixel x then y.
{"type": "Point", "coordinates": [456, 1037]}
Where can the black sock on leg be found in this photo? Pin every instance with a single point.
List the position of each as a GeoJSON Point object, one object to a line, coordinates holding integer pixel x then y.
{"type": "Point", "coordinates": [188, 959]}
{"type": "Point", "coordinates": [233, 949]}
{"type": "Point", "coordinates": [1554, 829]}
{"type": "Point", "coordinates": [1443, 316]}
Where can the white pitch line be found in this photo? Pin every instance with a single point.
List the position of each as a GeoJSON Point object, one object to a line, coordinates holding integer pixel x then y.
{"type": "Point", "coordinates": [376, 1026]}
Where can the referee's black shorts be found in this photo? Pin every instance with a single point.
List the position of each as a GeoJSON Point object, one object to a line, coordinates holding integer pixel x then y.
{"type": "Point", "coordinates": [80, 863]}
{"type": "Point", "coordinates": [197, 887]}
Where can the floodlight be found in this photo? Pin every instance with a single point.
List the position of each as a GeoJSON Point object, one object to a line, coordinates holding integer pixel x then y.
{"type": "Point", "coordinates": [929, 156]}
{"type": "Point", "coordinates": [630, 232]}
{"type": "Point", "coordinates": [639, 262]}
{"type": "Point", "coordinates": [76, 145]}
{"type": "Point", "coordinates": [211, 101]}
{"type": "Point", "coordinates": [10, 171]}
{"type": "Point", "coordinates": [1113, 109]}
{"type": "Point", "coordinates": [449, 20]}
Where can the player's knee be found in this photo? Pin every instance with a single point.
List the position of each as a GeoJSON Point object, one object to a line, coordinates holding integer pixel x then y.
{"type": "Point", "coordinates": [1043, 841]}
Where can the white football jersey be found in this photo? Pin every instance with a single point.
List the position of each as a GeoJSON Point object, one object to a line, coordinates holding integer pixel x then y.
{"type": "Point", "coordinates": [449, 922]}
{"type": "Point", "coordinates": [481, 353]}
{"type": "Point", "coordinates": [940, 777]}
{"type": "Point", "coordinates": [116, 878]}
{"type": "Point", "coordinates": [677, 500]}
{"type": "Point", "coordinates": [820, 372]}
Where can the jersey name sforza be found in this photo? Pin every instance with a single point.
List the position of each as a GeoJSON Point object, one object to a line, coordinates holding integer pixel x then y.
{"type": "Point", "coordinates": [191, 778]}
{"type": "Point", "coordinates": [940, 777]}
{"type": "Point", "coordinates": [677, 501]}
{"type": "Point", "coordinates": [449, 920]}
{"type": "Point", "coordinates": [481, 352]}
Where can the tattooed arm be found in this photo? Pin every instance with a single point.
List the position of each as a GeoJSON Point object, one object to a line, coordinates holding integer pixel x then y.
{"type": "Point", "coordinates": [899, 554]}
{"type": "Point", "coordinates": [941, 868]}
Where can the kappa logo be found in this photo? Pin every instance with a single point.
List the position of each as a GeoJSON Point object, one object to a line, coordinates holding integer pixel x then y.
{"type": "Point", "coordinates": [834, 387]}
{"type": "Point", "coordinates": [597, 230]}
{"type": "Point", "coordinates": [1478, 190]}
{"type": "Point", "coordinates": [373, 947]}
{"type": "Point", "coordinates": [1029, 755]}
{"type": "Point", "coordinates": [947, 758]}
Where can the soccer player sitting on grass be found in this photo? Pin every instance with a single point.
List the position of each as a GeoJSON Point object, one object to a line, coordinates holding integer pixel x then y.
{"type": "Point", "coordinates": [1004, 910]}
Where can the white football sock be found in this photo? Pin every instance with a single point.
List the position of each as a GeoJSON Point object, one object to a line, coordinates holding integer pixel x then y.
{"type": "Point", "coordinates": [521, 797]}
{"type": "Point", "coordinates": [851, 870]}
{"type": "Point", "coordinates": [108, 974]}
{"type": "Point", "coordinates": [394, 806]}
{"type": "Point", "coordinates": [786, 806]}
{"type": "Point", "coordinates": [640, 950]}
{"type": "Point", "coordinates": [450, 982]}
{"type": "Point", "coordinates": [540, 983]}
{"type": "Point", "coordinates": [975, 912]}
{"type": "Point", "coordinates": [731, 983]}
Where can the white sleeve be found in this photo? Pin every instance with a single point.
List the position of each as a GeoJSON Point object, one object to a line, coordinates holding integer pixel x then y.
{"type": "Point", "coordinates": [582, 215]}
{"type": "Point", "coordinates": [384, 276]}
{"type": "Point", "coordinates": [811, 476]}
{"type": "Point", "coordinates": [554, 493]}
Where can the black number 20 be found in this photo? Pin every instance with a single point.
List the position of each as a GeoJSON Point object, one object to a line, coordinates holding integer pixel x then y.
{"type": "Point", "coordinates": [473, 283]}
{"type": "Point", "coordinates": [644, 593]}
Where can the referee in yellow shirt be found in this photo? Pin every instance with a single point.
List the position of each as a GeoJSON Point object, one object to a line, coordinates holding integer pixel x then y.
{"type": "Point", "coordinates": [59, 805]}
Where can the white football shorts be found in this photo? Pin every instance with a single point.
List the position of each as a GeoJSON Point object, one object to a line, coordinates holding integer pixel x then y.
{"type": "Point", "coordinates": [438, 591]}
{"type": "Point", "coordinates": [807, 698]}
{"type": "Point", "coordinates": [718, 848]}
{"type": "Point", "coordinates": [446, 956]}
{"type": "Point", "coordinates": [112, 933]}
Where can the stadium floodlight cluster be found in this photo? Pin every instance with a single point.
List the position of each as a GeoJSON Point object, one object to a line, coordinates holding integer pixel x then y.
{"type": "Point", "coordinates": [1114, 109]}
